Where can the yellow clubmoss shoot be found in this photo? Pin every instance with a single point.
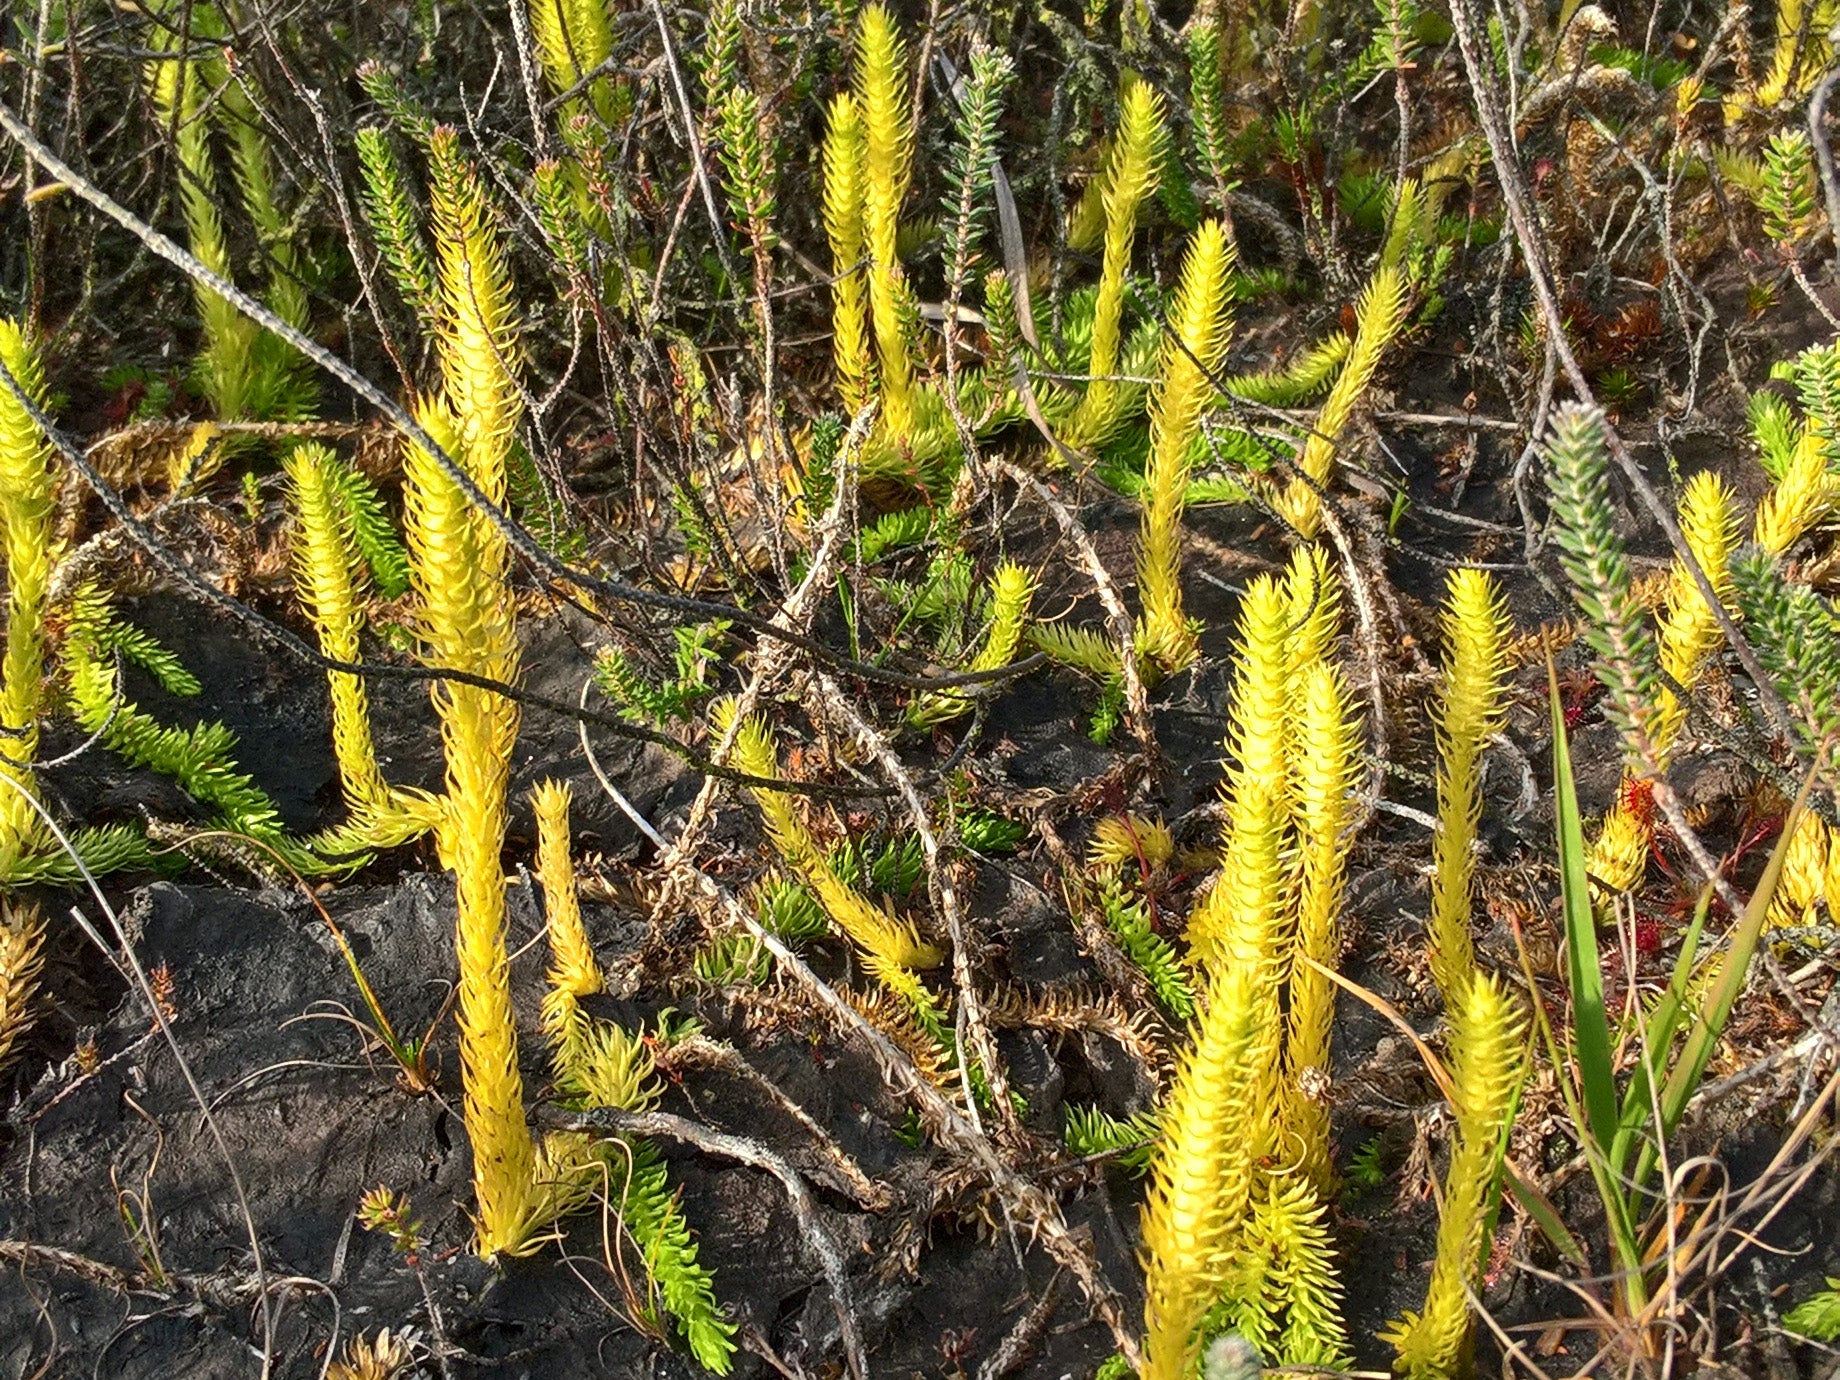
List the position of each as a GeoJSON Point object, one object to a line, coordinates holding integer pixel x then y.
{"type": "Point", "coordinates": [1804, 872]}
{"type": "Point", "coordinates": [573, 971]}
{"type": "Point", "coordinates": [1689, 636]}
{"type": "Point", "coordinates": [1130, 176]}
{"type": "Point", "coordinates": [1830, 878]}
{"type": "Point", "coordinates": [1201, 1171]}
{"type": "Point", "coordinates": [1327, 762]}
{"type": "Point", "coordinates": [1247, 904]}
{"type": "Point", "coordinates": [573, 39]}
{"type": "Point", "coordinates": [1689, 632]}
{"type": "Point", "coordinates": [1131, 841]}
{"type": "Point", "coordinates": [1475, 626]}
{"type": "Point", "coordinates": [478, 327]}
{"type": "Point", "coordinates": [22, 956]}
{"type": "Point", "coordinates": [1011, 590]}
{"type": "Point", "coordinates": [1488, 1065]}
{"type": "Point", "coordinates": [1800, 51]}
{"type": "Point", "coordinates": [844, 175]}
{"type": "Point", "coordinates": [226, 366]}
{"type": "Point", "coordinates": [328, 575]}
{"type": "Point", "coordinates": [28, 491]}
{"type": "Point", "coordinates": [1619, 856]}
{"type": "Point", "coordinates": [1377, 320]}
{"type": "Point", "coordinates": [871, 929]}
{"type": "Point", "coordinates": [1281, 1290]}
{"type": "Point", "coordinates": [1800, 498]}
{"type": "Point", "coordinates": [1200, 327]}
{"type": "Point", "coordinates": [458, 563]}
{"type": "Point", "coordinates": [881, 94]}
{"type": "Point", "coordinates": [1315, 594]}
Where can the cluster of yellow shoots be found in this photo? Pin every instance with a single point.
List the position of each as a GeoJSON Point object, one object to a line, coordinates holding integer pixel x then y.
{"type": "Point", "coordinates": [868, 166]}
{"type": "Point", "coordinates": [891, 950]}
{"type": "Point", "coordinates": [1690, 639]}
{"type": "Point", "coordinates": [28, 486]}
{"type": "Point", "coordinates": [867, 170]}
{"type": "Point", "coordinates": [459, 563]}
{"type": "Point", "coordinates": [28, 494]}
{"type": "Point", "coordinates": [1234, 1230]}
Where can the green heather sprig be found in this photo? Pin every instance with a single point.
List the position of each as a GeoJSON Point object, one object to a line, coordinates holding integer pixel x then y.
{"type": "Point", "coordinates": [559, 218]}
{"type": "Point", "coordinates": [749, 175]}
{"type": "Point", "coordinates": [1798, 640]}
{"type": "Point", "coordinates": [405, 112]}
{"type": "Point", "coordinates": [1787, 197]}
{"type": "Point", "coordinates": [1208, 104]}
{"type": "Point", "coordinates": [1094, 1131]}
{"type": "Point", "coordinates": [1816, 372]}
{"type": "Point", "coordinates": [371, 531]}
{"type": "Point", "coordinates": [970, 166]}
{"type": "Point", "coordinates": [198, 759]}
{"type": "Point", "coordinates": [396, 224]}
{"type": "Point", "coordinates": [1577, 477]}
{"type": "Point", "coordinates": [685, 1288]}
{"type": "Point", "coordinates": [718, 61]}
{"type": "Point", "coordinates": [1129, 922]}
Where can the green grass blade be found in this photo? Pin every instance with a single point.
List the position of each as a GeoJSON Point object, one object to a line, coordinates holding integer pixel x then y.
{"type": "Point", "coordinates": [1658, 1042]}
{"type": "Point", "coordinates": [1716, 1007]}
{"type": "Point", "coordinates": [1590, 1027]}
{"type": "Point", "coordinates": [1545, 1215]}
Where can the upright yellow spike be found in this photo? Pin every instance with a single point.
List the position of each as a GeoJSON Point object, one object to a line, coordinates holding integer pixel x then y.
{"type": "Point", "coordinates": [1830, 878]}
{"type": "Point", "coordinates": [1201, 1172]}
{"type": "Point", "coordinates": [1803, 495]}
{"type": "Point", "coordinates": [1690, 637]}
{"type": "Point", "coordinates": [1488, 1059]}
{"type": "Point", "coordinates": [1246, 907]}
{"type": "Point", "coordinates": [1805, 869]}
{"type": "Point", "coordinates": [28, 492]}
{"type": "Point", "coordinates": [1011, 590]}
{"type": "Point", "coordinates": [458, 562]}
{"type": "Point", "coordinates": [574, 972]}
{"type": "Point", "coordinates": [327, 574]}
{"type": "Point", "coordinates": [1200, 329]}
{"type": "Point", "coordinates": [1475, 626]}
{"type": "Point", "coordinates": [1314, 590]}
{"type": "Point", "coordinates": [845, 173]}
{"type": "Point", "coordinates": [22, 958]}
{"type": "Point", "coordinates": [178, 86]}
{"type": "Point", "coordinates": [1689, 633]}
{"type": "Point", "coordinates": [1327, 762]}
{"type": "Point", "coordinates": [573, 40]}
{"type": "Point", "coordinates": [1130, 176]}
{"type": "Point", "coordinates": [1378, 318]}
{"type": "Point", "coordinates": [881, 92]}
{"type": "Point", "coordinates": [480, 352]}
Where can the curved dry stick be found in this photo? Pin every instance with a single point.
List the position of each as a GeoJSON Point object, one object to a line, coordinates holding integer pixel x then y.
{"type": "Point", "coordinates": [1136, 696]}
{"type": "Point", "coordinates": [972, 1016]}
{"type": "Point", "coordinates": [850, 1178]}
{"type": "Point", "coordinates": [145, 988]}
{"type": "Point", "coordinates": [1539, 272]}
{"type": "Point", "coordinates": [1027, 1201]}
{"type": "Point", "coordinates": [753, 1153]}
